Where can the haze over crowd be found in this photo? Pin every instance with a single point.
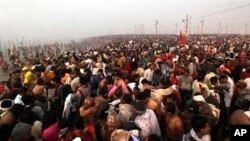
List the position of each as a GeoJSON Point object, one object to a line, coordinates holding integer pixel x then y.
{"type": "Point", "coordinates": [77, 19]}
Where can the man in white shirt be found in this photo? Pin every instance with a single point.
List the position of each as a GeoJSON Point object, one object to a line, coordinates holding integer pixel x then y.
{"type": "Point", "coordinates": [148, 74]}
{"type": "Point", "coordinates": [227, 83]}
{"type": "Point", "coordinates": [200, 130]}
{"type": "Point", "coordinates": [146, 120]}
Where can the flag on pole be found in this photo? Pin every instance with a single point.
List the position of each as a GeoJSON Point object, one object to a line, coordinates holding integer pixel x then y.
{"type": "Point", "coordinates": [182, 40]}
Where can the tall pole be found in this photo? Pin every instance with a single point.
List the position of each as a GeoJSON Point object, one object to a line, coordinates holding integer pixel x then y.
{"type": "Point", "coordinates": [22, 45]}
{"type": "Point", "coordinates": [219, 28]}
{"type": "Point", "coordinates": [190, 25]}
{"type": "Point", "coordinates": [176, 28]}
{"type": "Point", "coordinates": [9, 44]}
{"type": "Point", "coordinates": [226, 29]}
{"type": "Point", "coordinates": [156, 27]}
{"type": "Point", "coordinates": [135, 28]}
{"type": "Point", "coordinates": [186, 22]}
{"type": "Point", "coordinates": [186, 29]}
{"type": "Point", "coordinates": [246, 29]}
{"type": "Point", "coordinates": [5, 48]}
{"type": "Point", "coordinates": [13, 44]}
{"type": "Point", "coordinates": [202, 26]}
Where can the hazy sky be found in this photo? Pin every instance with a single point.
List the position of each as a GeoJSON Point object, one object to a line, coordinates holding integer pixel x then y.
{"type": "Point", "coordinates": [75, 19]}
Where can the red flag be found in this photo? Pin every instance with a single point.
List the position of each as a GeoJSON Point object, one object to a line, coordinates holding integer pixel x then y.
{"type": "Point", "coordinates": [182, 40]}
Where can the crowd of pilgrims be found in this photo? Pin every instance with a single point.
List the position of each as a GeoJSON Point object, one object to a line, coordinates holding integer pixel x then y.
{"type": "Point", "coordinates": [127, 88]}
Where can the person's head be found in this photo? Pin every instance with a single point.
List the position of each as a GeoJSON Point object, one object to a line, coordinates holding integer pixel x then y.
{"type": "Point", "coordinates": [28, 116]}
{"type": "Point", "coordinates": [171, 98]}
{"type": "Point", "coordinates": [27, 99]}
{"type": "Point", "coordinates": [118, 92]}
{"type": "Point", "coordinates": [50, 118]}
{"type": "Point", "coordinates": [65, 134]}
{"type": "Point", "coordinates": [147, 92]}
{"type": "Point", "coordinates": [237, 59]}
{"type": "Point", "coordinates": [223, 79]}
{"type": "Point", "coordinates": [170, 108]}
{"type": "Point", "coordinates": [152, 66]}
{"type": "Point", "coordinates": [126, 98]}
{"type": "Point", "coordinates": [110, 82]}
{"type": "Point", "coordinates": [243, 104]}
{"type": "Point", "coordinates": [89, 102]}
{"type": "Point", "coordinates": [140, 71]}
{"type": "Point", "coordinates": [136, 91]}
{"type": "Point", "coordinates": [100, 72]}
{"type": "Point", "coordinates": [162, 84]}
{"type": "Point", "coordinates": [201, 76]}
{"type": "Point", "coordinates": [191, 60]}
{"type": "Point", "coordinates": [193, 109]}
{"type": "Point", "coordinates": [83, 80]}
{"type": "Point", "coordinates": [172, 74]}
{"type": "Point", "coordinates": [116, 74]}
{"type": "Point", "coordinates": [153, 137]}
{"type": "Point", "coordinates": [17, 72]}
{"type": "Point", "coordinates": [17, 109]}
{"type": "Point", "coordinates": [22, 131]}
{"type": "Point", "coordinates": [23, 90]}
{"type": "Point", "coordinates": [214, 80]}
{"type": "Point", "coordinates": [40, 81]}
{"type": "Point", "coordinates": [227, 62]}
{"type": "Point", "coordinates": [25, 70]}
{"type": "Point", "coordinates": [100, 115]}
{"type": "Point", "coordinates": [200, 125]}
{"type": "Point", "coordinates": [136, 78]}
{"type": "Point", "coordinates": [145, 82]}
{"type": "Point", "coordinates": [140, 107]}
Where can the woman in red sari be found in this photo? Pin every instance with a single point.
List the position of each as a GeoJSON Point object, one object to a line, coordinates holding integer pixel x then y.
{"type": "Point", "coordinates": [172, 78]}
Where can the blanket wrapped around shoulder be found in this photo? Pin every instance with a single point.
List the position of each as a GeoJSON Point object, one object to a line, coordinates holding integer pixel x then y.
{"type": "Point", "coordinates": [158, 94]}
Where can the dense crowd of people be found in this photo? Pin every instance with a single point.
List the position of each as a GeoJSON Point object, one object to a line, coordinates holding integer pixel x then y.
{"type": "Point", "coordinates": [127, 88]}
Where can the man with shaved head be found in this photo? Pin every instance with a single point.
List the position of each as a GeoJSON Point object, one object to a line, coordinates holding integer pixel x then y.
{"type": "Point", "coordinates": [87, 109]}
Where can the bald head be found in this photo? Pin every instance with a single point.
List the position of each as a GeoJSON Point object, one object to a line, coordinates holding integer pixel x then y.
{"type": "Point", "coordinates": [89, 102]}
{"type": "Point", "coordinates": [239, 117]}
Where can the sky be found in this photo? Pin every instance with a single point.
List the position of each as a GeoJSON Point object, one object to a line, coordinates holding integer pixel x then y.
{"type": "Point", "coordinates": [50, 20]}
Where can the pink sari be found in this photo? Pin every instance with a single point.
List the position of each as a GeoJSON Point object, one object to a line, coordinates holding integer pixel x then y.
{"type": "Point", "coordinates": [122, 84]}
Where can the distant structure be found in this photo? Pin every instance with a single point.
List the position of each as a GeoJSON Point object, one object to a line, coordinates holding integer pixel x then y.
{"type": "Point", "coordinates": [226, 29]}
{"type": "Point", "coordinates": [186, 22]}
{"type": "Point", "coordinates": [176, 28]}
{"type": "Point", "coordinates": [135, 28]}
{"type": "Point", "coordinates": [156, 27]}
{"type": "Point", "coordinates": [246, 29]}
{"type": "Point", "coordinates": [219, 29]}
{"type": "Point", "coordinates": [202, 26]}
